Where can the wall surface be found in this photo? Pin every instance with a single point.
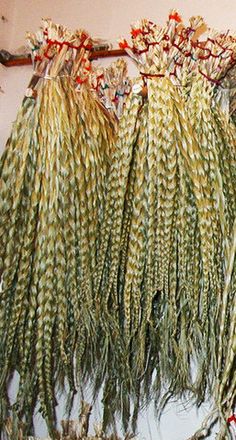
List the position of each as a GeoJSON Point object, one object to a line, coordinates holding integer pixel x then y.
{"type": "Point", "coordinates": [109, 19]}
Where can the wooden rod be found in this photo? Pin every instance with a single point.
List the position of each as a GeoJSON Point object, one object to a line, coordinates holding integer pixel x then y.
{"type": "Point", "coordinates": [107, 53]}
{"type": "Point", "coordinates": [25, 61]}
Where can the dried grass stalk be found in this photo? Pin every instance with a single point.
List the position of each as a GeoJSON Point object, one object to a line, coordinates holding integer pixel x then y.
{"type": "Point", "coordinates": [167, 227]}
{"type": "Point", "coordinates": [53, 174]}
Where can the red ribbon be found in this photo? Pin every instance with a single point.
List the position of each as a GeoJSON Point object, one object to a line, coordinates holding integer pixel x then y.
{"type": "Point", "coordinates": [166, 48]}
{"type": "Point", "coordinates": [205, 57]}
{"type": "Point", "coordinates": [187, 54]}
{"type": "Point", "coordinates": [83, 36]}
{"type": "Point", "coordinates": [139, 52]}
{"type": "Point", "coordinates": [38, 58]}
{"type": "Point", "coordinates": [136, 32]}
{"type": "Point", "coordinates": [88, 46]}
{"type": "Point", "coordinates": [154, 43]}
{"type": "Point", "coordinates": [174, 72]}
{"type": "Point", "coordinates": [177, 47]}
{"type": "Point", "coordinates": [123, 44]}
{"type": "Point", "coordinates": [166, 37]}
{"type": "Point", "coordinates": [214, 81]}
{"type": "Point", "coordinates": [231, 419]}
{"type": "Point", "coordinates": [175, 17]}
{"type": "Point", "coordinates": [52, 42]}
{"type": "Point", "coordinates": [80, 80]}
{"type": "Point", "coordinates": [71, 46]}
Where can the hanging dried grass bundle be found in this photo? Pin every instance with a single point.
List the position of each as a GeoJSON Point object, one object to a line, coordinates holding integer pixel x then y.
{"type": "Point", "coordinates": [112, 85]}
{"type": "Point", "coordinates": [225, 95]}
{"type": "Point", "coordinates": [217, 137]}
{"type": "Point", "coordinates": [163, 252]}
{"type": "Point", "coordinates": [76, 429]}
{"type": "Point", "coordinates": [53, 175]}
{"type": "Point", "coordinates": [169, 215]}
{"type": "Point", "coordinates": [225, 390]}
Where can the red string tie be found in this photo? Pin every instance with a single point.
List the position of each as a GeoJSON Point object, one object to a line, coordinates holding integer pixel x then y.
{"type": "Point", "coordinates": [84, 37]}
{"type": "Point", "coordinates": [38, 58]}
{"type": "Point", "coordinates": [124, 44]}
{"type": "Point", "coordinates": [52, 42]}
{"type": "Point", "coordinates": [166, 37]}
{"type": "Point", "coordinates": [214, 81]}
{"type": "Point", "coordinates": [101, 76]}
{"type": "Point", "coordinates": [175, 17]}
{"type": "Point", "coordinates": [188, 54]}
{"type": "Point", "coordinates": [80, 80]}
{"type": "Point", "coordinates": [232, 419]}
{"type": "Point", "coordinates": [88, 46]}
{"type": "Point", "coordinates": [136, 32]}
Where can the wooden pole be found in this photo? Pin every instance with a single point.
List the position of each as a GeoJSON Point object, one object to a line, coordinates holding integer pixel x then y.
{"type": "Point", "coordinates": [25, 61]}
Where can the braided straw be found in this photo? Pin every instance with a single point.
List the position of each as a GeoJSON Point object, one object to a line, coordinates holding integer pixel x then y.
{"type": "Point", "coordinates": [53, 176]}
{"type": "Point", "coordinates": [112, 85]}
{"type": "Point", "coordinates": [118, 261]}
{"type": "Point", "coordinates": [169, 214]}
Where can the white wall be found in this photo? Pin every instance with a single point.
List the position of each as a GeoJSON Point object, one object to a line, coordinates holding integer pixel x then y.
{"type": "Point", "coordinates": [109, 19]}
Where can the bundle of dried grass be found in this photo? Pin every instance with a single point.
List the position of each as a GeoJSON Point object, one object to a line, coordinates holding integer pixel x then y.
{"type": "Point", "coordinates": [75, 429]}
{"type": "Point", "coordinates": [52, 192]}
{"type": "Point", "coordinates": [226, 94]}
{"type": "Point", "coordinates": [113, 86]}
{"type": "Point", "coordinates": [217, 137]}
{"type": "Point", "coordinates": [163, 252]}
{"type": "Point", "coordinates": [168, 221]}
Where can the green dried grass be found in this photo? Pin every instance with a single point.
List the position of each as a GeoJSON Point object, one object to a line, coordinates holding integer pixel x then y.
{"type": "Point", "coordinates": [52, 194]}
{"type": "Point", "coordinates": [166, 232]}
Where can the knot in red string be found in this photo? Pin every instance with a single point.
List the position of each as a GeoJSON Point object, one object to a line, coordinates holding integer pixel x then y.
{"type": "Point", "coordinates": [136, 32]}
{"type": "Point", "coordinates": [123, 44]}
{"type": "Point", "coordinates": [232, 419]}
{"type": "Point", "coordinates": [80, 80]}
{"type": "Point", "coordinates": [175, 17]}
